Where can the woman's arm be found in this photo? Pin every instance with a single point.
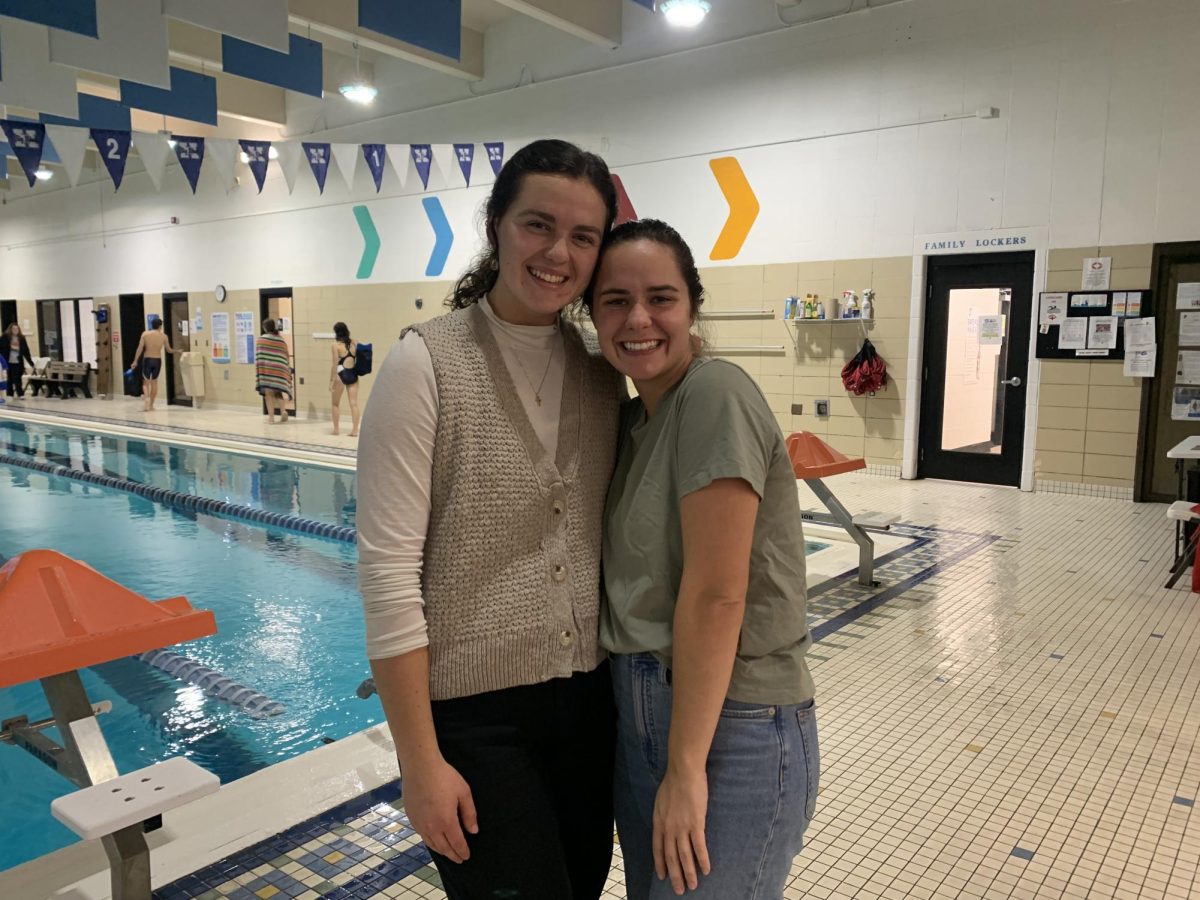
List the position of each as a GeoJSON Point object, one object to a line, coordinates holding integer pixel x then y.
{"type": "Point", "coordinates": [718, 529]}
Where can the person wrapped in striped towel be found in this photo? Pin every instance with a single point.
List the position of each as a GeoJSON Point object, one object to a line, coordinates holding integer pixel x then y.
{"type": "Point", "coordinates": [273, 370]}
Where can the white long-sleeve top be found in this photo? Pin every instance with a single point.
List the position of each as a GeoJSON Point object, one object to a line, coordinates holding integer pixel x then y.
{"type": "Point", "coordinates": [395, 469]}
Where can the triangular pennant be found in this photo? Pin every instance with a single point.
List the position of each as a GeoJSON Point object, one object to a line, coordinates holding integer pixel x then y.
{"type": "Point", "coordinates": [114, 151]}
{"type": "Point", "coordinates": [495, 152]}
{"type": "Point", "coordinates": [444, 167]}
{"type": "Point", "coordinates": [70, 143]}
{"type": "Point", "coordinates": [465, 155]}
{"type": "Point", "coordinates": [401, 162]}
{"type": "Point", "coordinates": [347, 156]}
{"type": "Point", "coordinates": [154, 152]}
{"type": "Point", "coordinates": [290, 156]}
{"type": "Point", "coordinates": [422, 157]}
{"type": "Point", "coordinates": [318, 156]}
{"type": "Point", "coordinates": [258, 157]}
{"type": "Point", "coordinates": [376, 157]}
{"type": "Point", "coordinates": [222, 153]}
{"type": "Point", "coordinates": [190, 153]}
{"type": "Point", "coordinates": [28, 141]}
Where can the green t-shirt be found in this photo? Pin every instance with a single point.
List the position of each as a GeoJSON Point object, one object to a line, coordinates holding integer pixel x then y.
{"type": "Point", "coordinates": [714, 424]}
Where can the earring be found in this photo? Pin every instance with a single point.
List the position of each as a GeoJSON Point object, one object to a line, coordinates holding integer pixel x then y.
{"type": "Point", "coordinates": [494, 264]}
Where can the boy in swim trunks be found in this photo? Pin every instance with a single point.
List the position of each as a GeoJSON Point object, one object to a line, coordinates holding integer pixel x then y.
{"type": "Point", "coordinates": [149, 352]}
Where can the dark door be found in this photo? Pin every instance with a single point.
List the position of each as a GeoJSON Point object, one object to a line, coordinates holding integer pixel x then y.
{"type": "Point", "coordinates": [178, 328]}
{"type": "Point", "coordinates": [1174, 264]}
{"type": "Point", "coordinates": [131, 323]}
{"type": "Point", "coordinates": [277, 304]}
{"type": "Point", "coordinates": [977, 314]}
{"type": "Point", "coordinates": [8, 314]}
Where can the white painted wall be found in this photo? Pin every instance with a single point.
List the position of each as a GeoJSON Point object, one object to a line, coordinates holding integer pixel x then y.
{"type": "Point", "coordinates": [1097, 139]}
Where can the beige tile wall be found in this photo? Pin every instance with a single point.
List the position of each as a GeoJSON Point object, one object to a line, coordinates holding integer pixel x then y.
{"type": "Point", "coordinates": [1088, 411]}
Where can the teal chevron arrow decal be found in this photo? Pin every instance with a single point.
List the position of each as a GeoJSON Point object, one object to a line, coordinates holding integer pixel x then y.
{"type": "Point", "coordinates": [370, 241]}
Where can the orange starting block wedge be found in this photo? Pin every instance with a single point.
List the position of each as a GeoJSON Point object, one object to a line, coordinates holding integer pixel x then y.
{"type": "Point", "coordinates": [60, 614]}
{"type": "Point", "coordinates": [813, 458]}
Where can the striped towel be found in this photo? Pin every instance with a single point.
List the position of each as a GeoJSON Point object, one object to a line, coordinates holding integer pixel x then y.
{"type": "Point", "coordinates": [273, 370]}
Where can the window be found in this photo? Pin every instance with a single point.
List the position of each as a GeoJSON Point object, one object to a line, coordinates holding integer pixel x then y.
{"type": "Point", "coordinates": [67, 330]}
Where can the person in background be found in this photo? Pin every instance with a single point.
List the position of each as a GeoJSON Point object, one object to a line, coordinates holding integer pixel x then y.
{"type": "Point", "coordinates": [717, 759]}
{"type": "Point", "coordinates": [485, 455]}
{"type": "Point", "coordinates": [342, 377]}
{"type": "Point", "coordinates": [149, 352]}
{"type": "Point", "coordinates": [273, 371]}
{"type": "Point", "coordinates": [16, 353]}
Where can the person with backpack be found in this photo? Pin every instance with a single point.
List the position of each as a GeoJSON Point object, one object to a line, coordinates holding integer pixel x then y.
{"type": "Point", "coordinates": [344, 372]}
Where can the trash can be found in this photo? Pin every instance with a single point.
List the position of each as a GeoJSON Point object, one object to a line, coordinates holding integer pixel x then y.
{"type": "Point", "coordinates": [192, 369]}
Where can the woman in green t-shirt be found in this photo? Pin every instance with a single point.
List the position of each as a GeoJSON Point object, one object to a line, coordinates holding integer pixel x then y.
{"type": "Point", "coordinates": [717, 760]}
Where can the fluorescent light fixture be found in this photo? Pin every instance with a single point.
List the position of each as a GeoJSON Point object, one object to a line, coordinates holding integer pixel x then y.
{"type": "Point", "coordinates": [685, 13]}
{"type": "Point", "coordinates": [359, 92]}
{"type": "Point", "coordinates": [43, 174]}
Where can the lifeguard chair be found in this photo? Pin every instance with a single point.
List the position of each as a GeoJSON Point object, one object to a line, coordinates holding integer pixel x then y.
{"type": "Point", "coordinates": [814, 460]}
{"type": "Point", "coordinates": [60, 616]}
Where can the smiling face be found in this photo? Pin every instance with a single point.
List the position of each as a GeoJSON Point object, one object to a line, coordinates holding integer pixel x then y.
{"type": "Point", "coordinates": [548, 241]}
{"type": "Point", "coordinates": [643, 316]}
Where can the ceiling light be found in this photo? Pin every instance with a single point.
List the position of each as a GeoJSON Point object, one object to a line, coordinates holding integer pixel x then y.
{"type": "Point", "coordinates": [43, 174]}
{"type": "Point", "coordinates": [359, 92]}
{"type": "Point", "coordinates": [685, 13]}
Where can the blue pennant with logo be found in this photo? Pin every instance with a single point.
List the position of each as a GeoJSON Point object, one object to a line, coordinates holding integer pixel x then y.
{"type": "Point", "coordinates": [318, 160]}
{"type": "Point", "coordinates": [114, 150]}
{"type": "Point", "coordinates": [28, 140]}
{"type": "Point", "coordinates": [465, 154]}
{"type": "Point", "coordinates": [495, 152]}
{"type": "Point", "coordinates": [258, 154]}
{"type": "Point", "coordinates": [190, 153]}
{"type": "Point", "coordinates": [376, 156]}
{"type": "Point", "coordinates": [422, 156]}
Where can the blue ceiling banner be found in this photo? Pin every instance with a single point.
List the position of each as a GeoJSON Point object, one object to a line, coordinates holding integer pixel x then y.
{"type": "Point", "coordinates": [318, 160]}
{"type": "Point", "coordinates": [258, 155]}
{"type": "Point", "coordinates": [300, 69]}
{"type": "Point", "coordinates": [376, 157]}
{"type": "Point", "coordinates": [95, 112]}
{"type": "Point", "coordinates": [495, 152]}
{"type": "Point", "coordinates": [465, 154]}
{"type": "Point", "coordinates": [192, 96]}
{"type": "Point", "coordinates": [27, 140]}
{"type": "Point", "coordinates": [433, 24]}
{"type": "Point", "coordinates": [77, 16]}
{"type": "Point", "coordinates": [190, 153]}
{"type": "Point", "coordinates": [422, 156]}
{"type": "Point", "coordinates": [114, 150]}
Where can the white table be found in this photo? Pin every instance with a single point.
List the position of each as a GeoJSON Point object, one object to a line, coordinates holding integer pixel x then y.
{"type": "Point", "coordinates": [1188, 448]}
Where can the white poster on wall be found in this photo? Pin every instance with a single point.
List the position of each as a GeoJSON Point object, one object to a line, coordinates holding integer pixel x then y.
{"type": "Point", "coordinates": [1139, 333]}
{"type": "Point", "coordinates": [243, 327]}
{"type": "Point", "coordinates": [1102, 332]}
{"type": "Point", "coordinates": [1187, 295]}
{"type": "Point", "coordinates": [1189, 329]}
{"type": "Point", "coordinates": [1096, 272]}
{"type": "Point", "coordinates": [220, 337]}
{"type": "Point", "coordinates": [1185, 403]}
{"type": "Point", "coordinates": [1073, 334]}
{"type": "Point", "coordinates": [1187, 371]}
{"type": "Point", "coordinates": [1053, 309]}
{"type": "Point", "coordinates": [1140, 363]}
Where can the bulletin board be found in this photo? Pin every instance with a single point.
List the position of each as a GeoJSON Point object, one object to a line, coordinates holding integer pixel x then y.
{"type": "Point", "coordinates": [1086, 304]}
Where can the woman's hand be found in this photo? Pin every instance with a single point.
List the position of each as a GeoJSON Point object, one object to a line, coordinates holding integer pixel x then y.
{"type": "Point", "coordinates": [439, 806]}
{"type": "Point", "coordinates": [679, 812]}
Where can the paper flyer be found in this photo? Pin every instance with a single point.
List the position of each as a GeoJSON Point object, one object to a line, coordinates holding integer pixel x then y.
{"type": "Point", "coordinates": [1096, 272]}
{"type": "Point", "coordinates": [1185, 403]}
{"type": "Point", "coordinates": [1102, 332]}
{"type": "Point", "coordinates": [1187, 295]}
{"type": "Point", "coordinates": [1187, 371]}
{"type": "Point", "coordinates": [1140, 363]}
{"type": "Point", "coordinates": [1053, 309]}
{"type": "Point", "coordinates": [1139, 333]}
{"type": "Point", "coordinates": [1073, 334]}
{"type": "Point", "coordinates": [1189, 329]}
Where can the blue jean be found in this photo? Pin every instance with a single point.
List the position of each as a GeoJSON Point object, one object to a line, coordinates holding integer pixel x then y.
{"type": "Point", "coordinates": [763, 773]}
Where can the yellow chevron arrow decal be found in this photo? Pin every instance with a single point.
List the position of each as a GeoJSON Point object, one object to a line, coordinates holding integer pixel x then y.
{"type": "Point", "coordinates": [743, 207]}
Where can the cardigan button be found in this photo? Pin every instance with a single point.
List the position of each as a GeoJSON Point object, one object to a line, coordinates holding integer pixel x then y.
{"type": "Point", "coordinates": [560, 573]}
{"type": "Point", "coordinates": [566, 638]}
{"type": "Point", "coordinates": [558, 509]}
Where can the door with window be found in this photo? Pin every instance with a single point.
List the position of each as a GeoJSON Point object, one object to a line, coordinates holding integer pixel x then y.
{"type": "Point", "coordinates": [977, 315]}
{"type": "Point", "coordinates": [277, 305]}
{"type": "Point", "coordinates": [177, 326]}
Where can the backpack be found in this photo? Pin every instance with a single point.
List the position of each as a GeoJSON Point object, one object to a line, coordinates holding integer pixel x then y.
{"type": "Point", "coordinates": [362, 359]}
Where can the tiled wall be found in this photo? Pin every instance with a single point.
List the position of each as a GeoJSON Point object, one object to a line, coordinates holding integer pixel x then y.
{"type": "Point", "coordinates": [1088, 411]}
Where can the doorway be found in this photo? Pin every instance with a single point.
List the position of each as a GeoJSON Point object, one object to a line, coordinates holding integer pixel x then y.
{"type": "Point", "coordinates": [277, 304]}
{"type": "Point", "coordinates": [177, 325]}
{"type": "Point", "coordinates": [1156, 480]}
{"type": "Point", "coordinates": [8, 314]}
{"type": "Point", "coordinates": [130, 324]}
{"type": "Point", "coordinates": [977, 316]}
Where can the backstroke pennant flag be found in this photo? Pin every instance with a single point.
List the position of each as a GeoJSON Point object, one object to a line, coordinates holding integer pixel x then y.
{"type": "Point", "coordinates": [495, 152]}
{"type": "Point", "coordinates": [153, 150]}
{"type": "Point", "coordinates": [114, 150]}
{"type": "Point", "coordinates": [318, 160]}
{"type": "Point", "coordinates": [289, 161]}
{"type": "Point", "coordinates": [465, 154]}
{"type": "Point", "coordinates": [70, 143]}
{"type": "Point", "coordinates": [190, 153]}
{"type": "Point", "coordinates": [28, 140]}
{"type": "Point", "coordinates": [258, 156]}
{"type": "Point", "coordinates": [376, 157]}
{"type": "Point", "coordinates": [422, 157]}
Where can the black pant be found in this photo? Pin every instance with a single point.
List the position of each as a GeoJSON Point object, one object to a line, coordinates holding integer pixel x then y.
{"type": "Point", "coordinates": [539, 762]}
{"type": "Point", "coordinates": [16, 374]}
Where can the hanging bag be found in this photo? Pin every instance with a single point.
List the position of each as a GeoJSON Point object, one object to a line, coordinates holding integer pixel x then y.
{"type": "Point", "coordinates": [363, 356]}
{"type": "Point", "coordinates": [866, 373]}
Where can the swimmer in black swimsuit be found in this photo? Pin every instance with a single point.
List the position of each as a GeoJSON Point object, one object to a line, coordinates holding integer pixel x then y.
{"type": "Point", "coordinates": [342, 377]}
{"type": "Point", "coordinates": [149, 351]}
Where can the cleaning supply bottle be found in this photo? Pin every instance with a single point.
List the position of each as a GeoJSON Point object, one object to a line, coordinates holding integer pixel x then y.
{"type": "Point", "coordinates": [868, 305]}
{"type": "Point", "coordinates": [849, 305]}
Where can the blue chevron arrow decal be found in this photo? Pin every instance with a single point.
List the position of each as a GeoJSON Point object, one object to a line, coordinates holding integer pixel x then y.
{"type": "Point", "coordinates": [370, 242]}
{"type": "Point", "coordinates": [444, 237]}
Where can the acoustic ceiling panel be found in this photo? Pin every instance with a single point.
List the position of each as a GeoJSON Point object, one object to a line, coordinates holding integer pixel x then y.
{"type": "Point", "coordinates": [95, 112]}
{"type": "Point", "coordinates": [27, 77]}
{"type": "Point", "coordinates": [132, 43]}
{"type": "Point", "coordinates": [192, 96]}
{"type": "Point", "coordinates": [300, 69]}
{"type": "Point", "coordinates": [262, 22]}
{"type": "Point", "coordinates": [435, 25]}
{"type": "Point", "coordinates": [78, 16]}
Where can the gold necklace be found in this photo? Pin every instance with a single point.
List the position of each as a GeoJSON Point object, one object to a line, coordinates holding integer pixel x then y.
{"type": "Point", "coordinates": [537, 391]}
